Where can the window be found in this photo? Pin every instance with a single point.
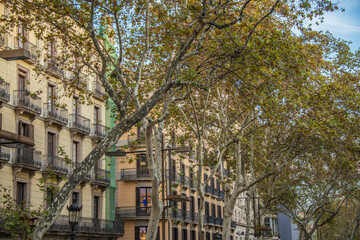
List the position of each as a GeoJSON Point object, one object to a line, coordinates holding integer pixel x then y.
{"type": "Point", "coordinates": [22, 77]}
{"type": "Point", "coordinates": [143, 200]}
{"type": "Point", "coordinates": [213, 210]}
{"type": "Point", "coordinates": [184, 234]}
{"type": "Point", "coordinates": [192, 235]}
{"type": "Point", "coordinates": [22, 34]}
{"type": "Point", "coordinates": [75, 154]}
{"type": "Point", "coordinates": [51, 151]}
{"type": "Point", "coordinates": [75, 106]}
{"type": "Point", "coordinates": [219, 211]}
{"type": "Point", "coordinates": [207, 210]}
{"type": "Point", "coordinates": [75, 198]}
{"type": "Point", "coordinates": [52, 50]}
{"type": "Point", "coordinates": [208, 236]}
{"type": "Point", "coordinates": [96, 207]}
{"type": "Point", "coordinates": [21, 195]}
{"type": "Point", "coordinates": [141, 162]}
{"type": "Point", "coordinates": [175, 233]}
{"type": "Point", "coordinates": [140, 233]}
{"type": "Point", "coordinates": [51, 98]}
{"type": "Point", "coordinates": [50, 193]}
{"type": "Point", "coordinates": [51, 144]}
{"type": "Point", "coordinates": [97, 116]}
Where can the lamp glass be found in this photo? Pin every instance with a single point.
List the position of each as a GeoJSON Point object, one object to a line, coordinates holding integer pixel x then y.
{"type": "Point", "coordinates": [74, 212]}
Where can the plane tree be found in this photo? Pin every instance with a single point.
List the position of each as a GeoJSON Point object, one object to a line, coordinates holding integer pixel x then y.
{"type": "Point", "coordinates": [156, 44]}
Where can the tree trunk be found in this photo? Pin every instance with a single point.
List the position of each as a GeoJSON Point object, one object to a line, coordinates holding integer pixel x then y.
{"type": "Point", "coordinates": [200, 190]}
{"type": "Point", "coordinates": [155, 169]}
{"type": "Point", "coordinates": [228, 212]}
{"type": "Point", "coordinates": [248, 218]}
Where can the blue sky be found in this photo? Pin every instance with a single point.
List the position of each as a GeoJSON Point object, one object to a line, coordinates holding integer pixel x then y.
{"type": "Point", "coordinates": [345, 25]}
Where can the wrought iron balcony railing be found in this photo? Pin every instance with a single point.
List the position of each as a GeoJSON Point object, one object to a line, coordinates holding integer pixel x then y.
{"type": "Point", "coordinates": [56, 164]}
{"type": "Point", "coordinates": [52, 67]}
{"type": "Point", "coordinates": [98, 90]}
{"type": "Point", "coordinates": [219, 221]}
{"type": "Point", "coordinates": [31, 102]}
{"type": "Point", "coordinates": [101, 176]}
{"type": "Point", "coordinates": [90, 226]}
{"type": "Point", "coordinates": [4, 91]}
{"type": "Point", "coordinates": [133, 212]}
{"type": "Point", "coordinates": [27, 157]}
{"type": "Point", "coordinates": [29, 50]}
{"type": "Point", "coordinates": [4, 154]}
{"type": "Point", "coordinates": [79, 122]}
{"type": "Point", "coordinates": [133, 174]}
{"type": "Point", "coordinates": [99, 131]}
{"type": "Point", "coordinates": [233, 224]}
{"type": "Point", "coordinates": [57, 114]}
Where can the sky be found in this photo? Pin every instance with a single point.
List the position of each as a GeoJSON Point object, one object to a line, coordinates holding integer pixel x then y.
{"type": "Point", "coordinates": [345, 25]}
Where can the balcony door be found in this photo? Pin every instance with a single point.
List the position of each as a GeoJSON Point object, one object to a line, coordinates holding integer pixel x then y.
{"type": "Point", "coordinates": [142, 169]}
{"type": "Point", "coordinates": [51, 150]}
{"type": "Point", "coordinates": [143, 201]}
{"type": "Point", "coordinates": [75, 154]}
{"type": "Point", "coordinates": [51, 98]}
{"type": "Point", "coordinates": [192, 207]}
{"type": "Point", "coordinates": [22, 34]}
{"type": "Point", "coordinates": [75, 111]}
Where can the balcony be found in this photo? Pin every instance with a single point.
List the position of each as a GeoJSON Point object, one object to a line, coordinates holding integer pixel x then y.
{"type": "Point", "coordinates": [24, 101]}
{"type": "Point", "coordinates": [55, 164]}
{"type": "Point", "coordinates": [78, 80]}
{"type": "Point", "coordinates": [176, 214]}
{"type": "Point", "coordinates": [98, 91]}
{"type": "Point", "coordinates": [209, 219]}
{"type": "Point", "coordinates": [19, 51]}
{"type": "Point", "coordinates": [11, 139]}
{"type": "Point", "coordinates": [192, 184]}
{"type": "Point", "coordinates": [56, 115]}
{"type": "Point", "coordinates": [233, 224]}
{"type": "Point", "coordinates": [52, 68]}
{"type": "Point", "coordinates": [88, 228]}
{"type": "Point", "coordinates": [184, 181]}
{"type": "Point", "coordinates": [79, 124]}
{"type": "Point", "coordinates": [101, 178]}
{"type": "Point", "coordinates": [130, 213]}
{"type": "Point", "coordinates": [134, 174]}
{"type": "Point", "coordinates": [219, 221]}
{"type": "Point", "coordinates": [135, 141]}
{"type": "Point", "coordinates": [4, 92]}
{"type": "Point", "coordinates": [27, 158]}
{"type": "Point", "coordinates": [99, 131]}
{"type": "Point", "coordinates": [4, 156]}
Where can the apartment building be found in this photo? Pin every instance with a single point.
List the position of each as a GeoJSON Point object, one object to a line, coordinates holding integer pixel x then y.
{"type": "Point", "coordinates": [182, 215]}
{"type": "Point", "coordinates": [36, 119]}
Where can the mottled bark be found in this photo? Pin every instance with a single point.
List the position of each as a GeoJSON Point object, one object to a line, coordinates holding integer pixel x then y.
{"type": "Point", "coordinates": [155, 174]}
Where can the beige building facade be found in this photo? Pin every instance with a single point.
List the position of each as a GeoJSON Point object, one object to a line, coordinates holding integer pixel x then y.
{"type": "Point", "coordinates": [38, 119]}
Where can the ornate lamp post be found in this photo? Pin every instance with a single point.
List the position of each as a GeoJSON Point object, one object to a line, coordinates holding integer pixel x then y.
{"type": "Point", "coordinates": [74, 212]}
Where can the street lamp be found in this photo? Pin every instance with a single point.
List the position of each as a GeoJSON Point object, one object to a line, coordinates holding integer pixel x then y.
{"type": "Point", "coordinates": [74, 212]}
{"type": "Point", "coordinates": [217, 236]}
